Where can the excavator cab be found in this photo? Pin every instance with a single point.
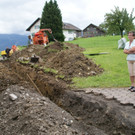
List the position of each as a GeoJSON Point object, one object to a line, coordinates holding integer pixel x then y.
{"type": "Point", "coordinates": [41, 38]}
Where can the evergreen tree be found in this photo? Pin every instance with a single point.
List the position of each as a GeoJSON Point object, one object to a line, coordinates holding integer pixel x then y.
{"type": "Point", "coordinates": [52, 18]}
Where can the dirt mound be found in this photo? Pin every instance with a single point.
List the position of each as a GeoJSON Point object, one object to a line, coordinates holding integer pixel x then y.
{"type": "Point", "coordinates": [74, 64]}
{"type": "Point", "coordinates": [7, 77]}
{"type": "Point", "coordinates": [30, 113]}
{"type": "Point", "coordinates": [24, 111]}
{"type": "Point", "coordinates": [33, 114]}
{"type": "Point", "coordinates": [65, 58]}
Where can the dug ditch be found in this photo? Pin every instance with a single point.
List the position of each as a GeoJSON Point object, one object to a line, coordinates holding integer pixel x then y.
{"type": "Point", "coordinates": [107, 116]}
{"type": "Point", "coordinates": [51, 77]}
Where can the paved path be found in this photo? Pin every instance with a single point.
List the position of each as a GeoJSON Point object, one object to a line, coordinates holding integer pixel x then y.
{"type": "Point", "coordinates": [122, 95]}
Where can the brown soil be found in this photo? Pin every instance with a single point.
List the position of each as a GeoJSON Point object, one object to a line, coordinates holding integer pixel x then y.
{"type": "Point", "coordinates": [57, 64]}
{"type": "Point", "coordinates": [31, 113]}
{"type": "Point", "coordinates": [66, 58]}
{"type": "Point", "coordinates": [34, 114]}
{"type": "Point", "coordinates": [7, 77]}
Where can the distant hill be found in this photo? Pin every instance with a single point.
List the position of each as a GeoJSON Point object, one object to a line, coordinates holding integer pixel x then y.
{"type": "Point", "coordinates": [7, 40]}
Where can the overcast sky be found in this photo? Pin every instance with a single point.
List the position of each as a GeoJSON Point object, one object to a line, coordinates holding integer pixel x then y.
{"type": "Point", "coordinates": [17, 15]}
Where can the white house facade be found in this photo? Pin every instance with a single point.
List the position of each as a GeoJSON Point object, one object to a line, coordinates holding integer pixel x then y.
{"type": "Point", "coordinates": [69, 34]}
{"type": "Point", "coordinates": [34, 27]}
{"type": "Point", "coordinates": [70, 31]}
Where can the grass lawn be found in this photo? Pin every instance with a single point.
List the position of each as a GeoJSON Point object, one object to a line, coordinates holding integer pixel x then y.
{"type": "Point", "coordinates": [114, 63]}
{"type": "Point", "coordinates": [21, 47]}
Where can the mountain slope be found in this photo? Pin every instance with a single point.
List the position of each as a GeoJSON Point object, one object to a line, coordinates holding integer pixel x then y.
{"type": "Point", "coordinates": [7, 40]}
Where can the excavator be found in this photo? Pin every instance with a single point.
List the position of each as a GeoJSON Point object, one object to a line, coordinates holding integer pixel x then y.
{"type": "Point", "coordinates": [41, 38]}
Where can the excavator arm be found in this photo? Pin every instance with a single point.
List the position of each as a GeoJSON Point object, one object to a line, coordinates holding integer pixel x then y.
{"type": "Point", "coordinates": [41, 37]}
{"type": "Point", "coordinates": [43, 30]}
{"type": "Point", "coordinates": [50, 31]}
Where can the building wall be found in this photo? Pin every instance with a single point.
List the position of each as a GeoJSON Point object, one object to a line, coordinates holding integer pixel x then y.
{"type": "Point", "coordinates": [69, 34]}
{"type": "Point", "coordinates": [35, 28]}
{"type": "Point", "coordinates": [92, 32]}
{"type": "Point", "coordinates": [79, 33]}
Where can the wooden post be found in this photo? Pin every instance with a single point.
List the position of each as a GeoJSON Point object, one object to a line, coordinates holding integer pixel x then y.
{"type": "Point", "coordinates": [34, 85]}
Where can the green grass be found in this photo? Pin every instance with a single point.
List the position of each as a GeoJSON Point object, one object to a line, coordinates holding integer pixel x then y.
{"type": "Point", "coordinates": [114, 63]}
{"type": "Point", "coordinates": [36, 66]}
{"type": "Point", "coordinates": [21, 47]}
{"type": "Point", "coordinates": [47, 70]}
{"type": "Point", "coordinates": [60, 76]}
{"type": "Point", "coordinates": [24, 62]}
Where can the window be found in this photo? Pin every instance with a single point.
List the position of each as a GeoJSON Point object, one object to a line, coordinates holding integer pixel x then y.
{"type": "Point", "coordinates": [95, 32]}
{"type": "Point", "coordinates": [70, 32]}
{"type": "Point", "coordinates": [33, 34]}
{"type": "Point", "coordinates": [36, 26]}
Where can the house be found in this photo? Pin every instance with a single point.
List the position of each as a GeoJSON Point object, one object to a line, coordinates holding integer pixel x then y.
{"type": "Point", "coordinates": [92, 31]}
{"type": "Point", "coordinates": [34, 27]}
{"type": "Point", "coordinates": [70, 31]}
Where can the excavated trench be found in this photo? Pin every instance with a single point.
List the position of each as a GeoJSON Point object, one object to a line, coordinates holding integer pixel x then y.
{"type": "Point", "coordinates": [107, 116]}
{"type": "Point", "coordinates": [94, 114]}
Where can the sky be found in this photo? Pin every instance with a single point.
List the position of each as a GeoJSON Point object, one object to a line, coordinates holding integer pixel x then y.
{"type": "Point", "coordinates": [17, 15]}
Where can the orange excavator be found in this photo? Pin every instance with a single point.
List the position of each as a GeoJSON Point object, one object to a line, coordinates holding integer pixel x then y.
{"type": "Point", "coordinates": [41, 38]}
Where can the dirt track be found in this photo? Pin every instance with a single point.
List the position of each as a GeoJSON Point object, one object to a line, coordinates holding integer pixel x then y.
{"type": "Point", "coordinates": [80, 113]}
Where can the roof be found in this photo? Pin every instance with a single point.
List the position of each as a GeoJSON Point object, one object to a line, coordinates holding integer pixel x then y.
{"type": "Point", "coordinates": [28, 29]}
{"type": "Point", "coordinates": [66, 26]}
{"type": "Point", "coordinates": [95, 27]}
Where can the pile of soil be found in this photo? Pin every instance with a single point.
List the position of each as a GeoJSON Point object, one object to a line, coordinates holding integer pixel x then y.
{"type": "Point", "coordinates": [67, 59]}
{"type": "Point", "coordinates": [7, 77]}
{"type": "Point", "coordinates": [80, 113]}
{"type": "Point", "coordinates": [23, 111]}
{"type": "Point", "coordinates": [33, 114]}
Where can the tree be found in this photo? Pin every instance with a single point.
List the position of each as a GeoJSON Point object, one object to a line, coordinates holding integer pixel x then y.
{"type": "Point", "coordinates": [118, 21]}
{"type": "Point", "coordinates": [52, 18]}
{"type": "Point", "coordinates": [103, 27]}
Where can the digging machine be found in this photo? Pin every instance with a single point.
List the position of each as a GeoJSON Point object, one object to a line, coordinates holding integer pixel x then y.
{"type": "Point", "coordinates": [41, 37]}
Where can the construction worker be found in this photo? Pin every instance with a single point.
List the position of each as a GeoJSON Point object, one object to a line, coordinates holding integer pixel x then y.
{"type": "Point", "coordinates": [14, 48]}
{"type": "Point", "coordinates": [30, 40]}
{"type": "Point", "coordinates": [7, 51]}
